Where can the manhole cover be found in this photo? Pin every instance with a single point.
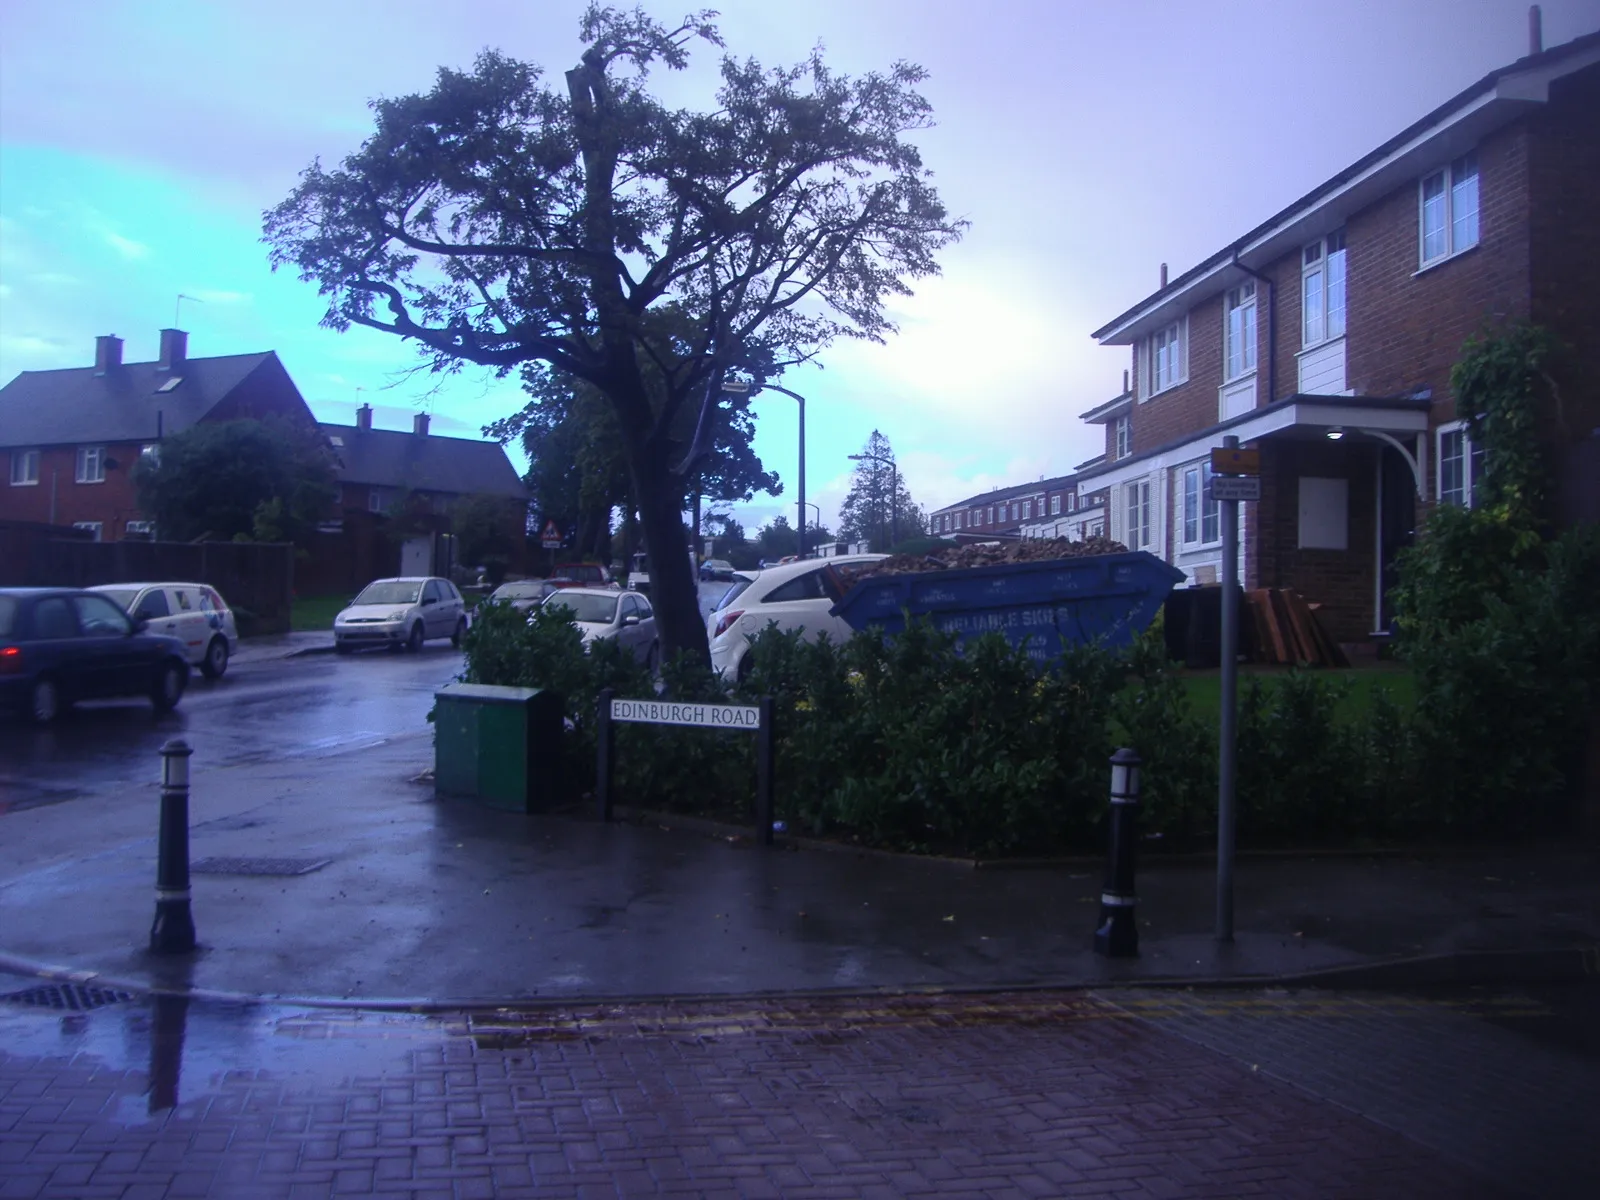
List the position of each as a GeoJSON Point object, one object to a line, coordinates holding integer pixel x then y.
{"type": "Point", "coordinates": [68, 997]}
{"type": "Point", "coordinates": [258, 866]}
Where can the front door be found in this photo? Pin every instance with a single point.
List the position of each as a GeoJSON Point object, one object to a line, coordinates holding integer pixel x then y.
{"type": "Point", "coordinates": [1397, 525]}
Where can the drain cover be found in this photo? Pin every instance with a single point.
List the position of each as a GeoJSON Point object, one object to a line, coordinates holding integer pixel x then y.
{"type": "Point", "coordinates": [69, 997]}
{"type": "Point", "coordinates": [258, 866]}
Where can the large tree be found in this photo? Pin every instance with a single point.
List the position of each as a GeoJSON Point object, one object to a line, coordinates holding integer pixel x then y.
{"type": "Point", "coordinates": [498, 220]}
{"type": "Point", "coordinates": [878, 508]}
{"type": "Point", "coordinates": [241, 480]}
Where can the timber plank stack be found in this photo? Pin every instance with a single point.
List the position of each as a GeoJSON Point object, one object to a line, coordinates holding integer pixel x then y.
{"type": "Point", "coordinates": [1287, 630]}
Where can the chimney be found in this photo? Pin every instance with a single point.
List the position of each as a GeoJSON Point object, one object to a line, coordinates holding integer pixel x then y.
{"type": "Point", "coordinates": [419, 424]}
{"type": "Point", "coordinates": [1124, 383]}
{"type": "Point", "coordinates": [1163, 274]}
{"type": "Point", "coordinates": [1535, 30]}
{"type": "Point", "coordinates": [174, 350]}
{"type": "Point", "coordinates": [364, 417]}
{"type": "Point", "coordinates": [107, 354]}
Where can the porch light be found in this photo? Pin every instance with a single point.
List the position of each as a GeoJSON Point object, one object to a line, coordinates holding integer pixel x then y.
{"type": "Point", "coordinates": [1335, 433]}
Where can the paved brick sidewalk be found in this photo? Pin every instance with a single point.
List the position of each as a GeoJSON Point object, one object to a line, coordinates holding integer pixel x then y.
{"type": "Point", "coordinates": [1007, 1097]}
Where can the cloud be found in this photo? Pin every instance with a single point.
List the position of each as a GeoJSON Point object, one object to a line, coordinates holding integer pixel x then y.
{"type": "Point", "coordinates": [126, 247]}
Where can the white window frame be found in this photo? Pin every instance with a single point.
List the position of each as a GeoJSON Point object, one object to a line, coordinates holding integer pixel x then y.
{"type": "Point", "coordinates": [151, 451]}
{"type": "Point", "coordinates": [1055, 505]}
{"type": "Point", "coordinates": [1121, 436]}
{"type": "Point", "coordinates": [1072, 502]}
{"type": "Point", "coordinates": [1317, 265]}
{"type": "Point", "coordinates": [1200, 522]}
{"type": "Point", "coordinates": [374, 500]}
{"type": "Point", "coordinates": [95, 527]}
{"type": "Point", "coordinates": [1136, 506]}
{"type": "Point", "coordinates": [1239, 344]}
{"type": "Point", "coordinates": [91, 465]}
{"type": "Point", "coordinates": [1460, 227]}
{"type": "Point", "coordinates": [1471, 464]}
{"type": "Point", "coordinates": [1175, 337]}
{"type": "Point", "coordinates": [147, 527]}
{"type": "Point", "coordinates": [24, 468]}
{"type": "Point", "coordinates": [991, 514]}
{"type": "Point", "coordinates": [1027, 510]}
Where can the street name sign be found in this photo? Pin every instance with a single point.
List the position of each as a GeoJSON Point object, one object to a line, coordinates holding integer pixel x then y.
{"type": "Point", "coordinates": [1238, 487]}
{"type": "Point", "coordinates": [1230, 460]}
{"type": "Point", "coordinates": [666, 712]}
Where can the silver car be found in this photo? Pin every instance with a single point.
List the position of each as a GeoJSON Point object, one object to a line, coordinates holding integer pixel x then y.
{"type": "Point", "coordinates": [401, 612]}
{"type": "Point", "coordinates": [605, 613]}
{"type": "Point", "coordinates": [194, 613]}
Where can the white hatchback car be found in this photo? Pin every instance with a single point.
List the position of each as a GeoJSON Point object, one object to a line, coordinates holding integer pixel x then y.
{"type": "Point", "coordinates": [401, 612]}
{"type": "Point", "coordinates": [792, 596]}
{"type": "Point", "coordinates": [194, 613]}
{"type": "Point", "coordinates": [601, 613]}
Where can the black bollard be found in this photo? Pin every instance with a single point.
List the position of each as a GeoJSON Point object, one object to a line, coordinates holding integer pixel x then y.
{"type": "Point", "coordinates": [173, 930]}
{"type": "Point", "coordinates": [605, 753]}
{"type": "Point", "coordinates": [1118, 934]}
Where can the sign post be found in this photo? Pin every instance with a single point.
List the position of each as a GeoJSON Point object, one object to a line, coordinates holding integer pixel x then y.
{"type": "Point", "coordinates": [1236, 476]}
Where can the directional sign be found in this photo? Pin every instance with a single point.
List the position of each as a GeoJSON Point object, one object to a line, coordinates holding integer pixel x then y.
{"type": "Point", "coordinates": [550, 539]}
{"type": "Point", "coordinates": [1238, 487]}
{"type": "Point", "coordinates": [665, 712]}
{"type": "Point", "coordinates": [1233, 461]}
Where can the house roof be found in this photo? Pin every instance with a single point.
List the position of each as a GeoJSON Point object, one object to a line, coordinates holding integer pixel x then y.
{"type": "Point", "coordinates": [423, 462]}
{"type": "Point", "coordinates": [1452, 128]}
{"type": "Point", "coordinates": [52, 408]}
{"type": "Point", "coordinates": [1114, 407]}
{"type": "Point", "coordinates": [1006, 493]}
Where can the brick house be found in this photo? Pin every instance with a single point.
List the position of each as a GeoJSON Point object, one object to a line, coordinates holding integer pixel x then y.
{"type": "Point", "coordinates": [1326, 335]}
{"type": "Point", "coordinates": [70, 437]}
{"type": "Point", "coordinates": [1005, 512]}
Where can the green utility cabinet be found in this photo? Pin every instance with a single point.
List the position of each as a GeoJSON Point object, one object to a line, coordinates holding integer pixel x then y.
{"type": "Point", "coordinates": [500, 746]}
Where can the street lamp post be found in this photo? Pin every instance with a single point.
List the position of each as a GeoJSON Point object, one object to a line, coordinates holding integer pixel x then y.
{"type": "Point", "coordinates": [894, 492]}
{"type": "Point", "coordinates": [739, 387]}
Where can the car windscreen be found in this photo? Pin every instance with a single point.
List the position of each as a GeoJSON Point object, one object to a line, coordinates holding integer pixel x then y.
{"type": "Point", "coordinates": [523, 590]}
{"type": "Point", "coordinates": [732, 594]}
{"type": "Point", "coordinates": [599, 609]}
{"type": "Point", "coordinates": [8, 615]}
{"type": "Point", "coordinates": [123, 597]}
{"type": "Point", "coordinates": [389, 591]}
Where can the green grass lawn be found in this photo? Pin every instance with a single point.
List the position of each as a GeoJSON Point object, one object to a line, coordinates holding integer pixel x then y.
{"type": "Point", "coordinates": [1205, 687]}
{"type": "Point", "coordinates": [316, 612]}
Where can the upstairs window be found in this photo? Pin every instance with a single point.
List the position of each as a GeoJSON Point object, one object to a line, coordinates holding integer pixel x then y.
{"type": "Point", "coordinates": [91, 464]}
{"type": "Point", "coordinates": [1448, 223]}
{"type": "Point", "coordinates": [1166, 358]}
{"type": "Point", "coordinates": [1055, 505]}
{"type": "Point", "coordinates": [1322, 290]}
{"type": "Point", "coordinates": [1072, 501]}
{"type": "Point", "coordinates": [1122, 437]}
{"type": "Point", "coordinates": [24, 468]}
{"type": "Point", "coordinates": [1239, 330]}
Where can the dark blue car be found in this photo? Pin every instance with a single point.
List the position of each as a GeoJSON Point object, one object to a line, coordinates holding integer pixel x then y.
{"type": "Point", "coordinates": [60, 645]}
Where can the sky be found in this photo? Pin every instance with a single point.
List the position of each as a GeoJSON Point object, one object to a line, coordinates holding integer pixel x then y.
{"type": "Point", "coordinates": [1087, 143]}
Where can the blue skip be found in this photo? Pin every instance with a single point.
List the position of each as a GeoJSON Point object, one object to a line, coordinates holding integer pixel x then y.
{"type": "Point", "coordinates": [1039, 606]}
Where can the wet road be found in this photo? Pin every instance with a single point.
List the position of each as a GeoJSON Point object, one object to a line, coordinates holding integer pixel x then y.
{"type": "Point", "coordinates": [1456, 1093]}
{"type": "Point", "coordinates": [259, 711]}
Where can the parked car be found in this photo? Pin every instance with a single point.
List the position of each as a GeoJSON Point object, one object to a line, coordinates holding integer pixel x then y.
{"type": "Point", "coordinates": [601, 613]}
{"type": "Point", "coordinates": [716, 568]}
{"type": "Point", "coordinates": [582, 574]}
{"type": "Point", "coordinates": [795, 595]}
{"type": "Point", "coordinates": [61, 645]}
{"type": "Point", "coordinates": [194, 613]}
{"type": "Point", "coordinates": [401, 612]}
{"type": "Point", "coordinates": [523, 594]}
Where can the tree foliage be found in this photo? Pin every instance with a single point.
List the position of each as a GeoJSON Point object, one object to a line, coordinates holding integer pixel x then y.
{"type": "Point", "coordinates": [497, 220]}
{"type": "Point", "coordinates": [241, 480]}
{"type": "Point", "coordinates": [878, 508]}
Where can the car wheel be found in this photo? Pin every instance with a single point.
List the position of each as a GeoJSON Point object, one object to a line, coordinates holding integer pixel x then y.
{"type": "Point", "coordinates": [461, 632]}
{"type": "Point", "coordinates": [342, 647]}
{"type": "Point", "coordinates": [414, 642]}
{"type": "Point", "coordinates": [44, 700]}
{"type": "Point", "coordinates": [746, 665]}
{"type": "Point", "coordinates": [169, 686]}
{"type": "Point", "coordinates": [215, 662]}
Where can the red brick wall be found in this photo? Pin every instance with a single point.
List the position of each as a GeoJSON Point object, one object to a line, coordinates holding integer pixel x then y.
{"type": "Point", "coordinates": [1406, 330]}
{"type": "Point", "coordinates": [1564, 231]}
{"type": "Point", "coordinates": [111, 502]}
{"type": "Point", "coordinates": [1341, 581]}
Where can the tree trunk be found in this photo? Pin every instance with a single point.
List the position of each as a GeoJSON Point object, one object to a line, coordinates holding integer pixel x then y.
{"type": "Point", "coordinates": [673, 592]}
